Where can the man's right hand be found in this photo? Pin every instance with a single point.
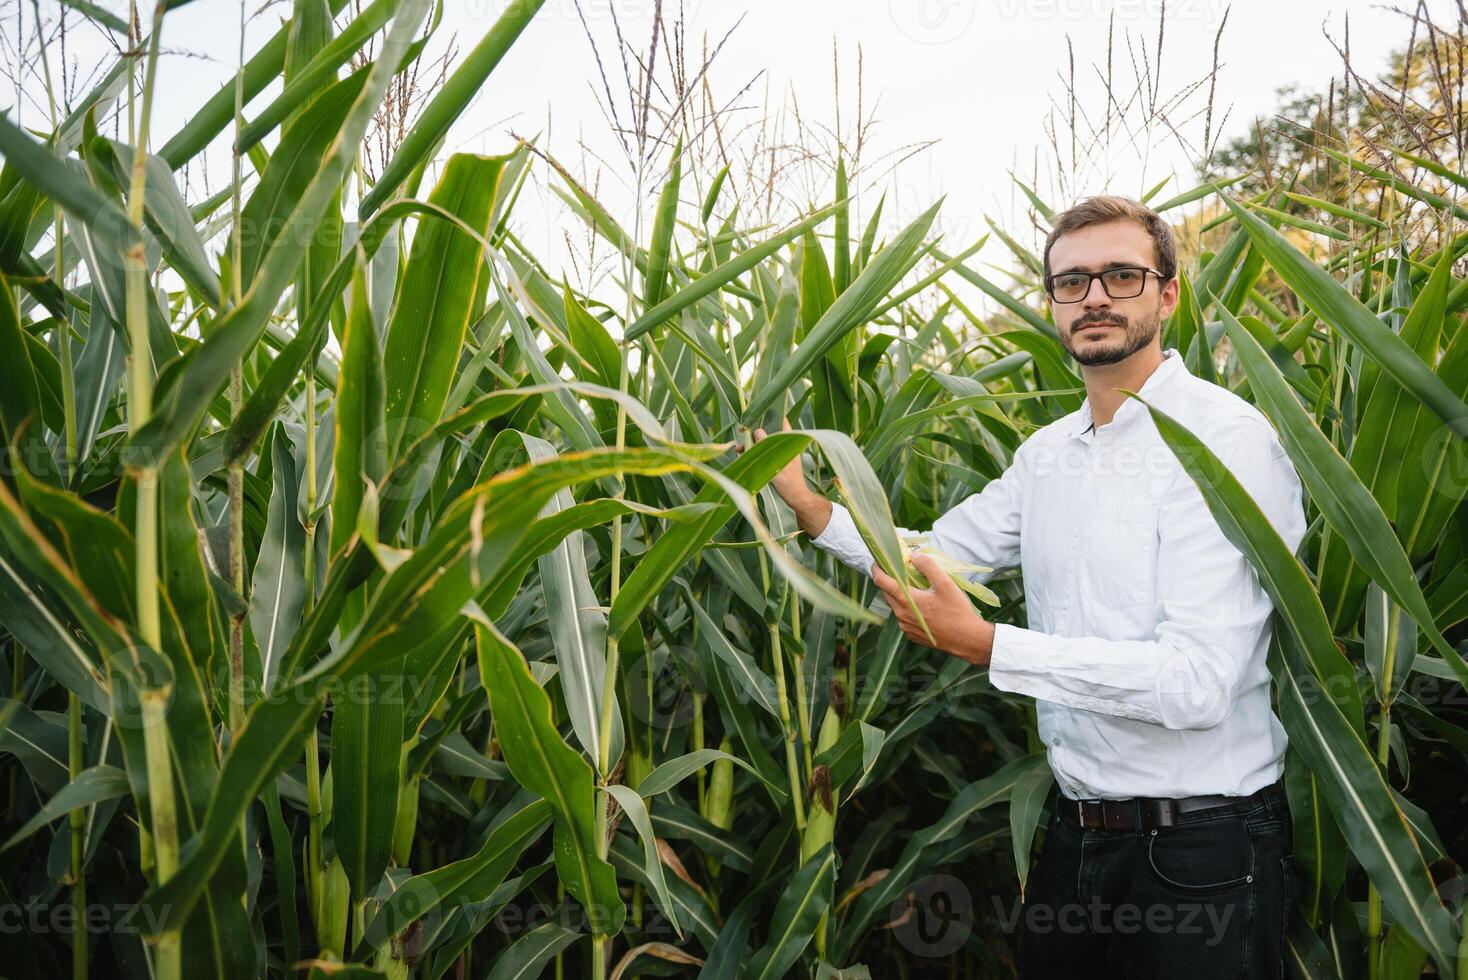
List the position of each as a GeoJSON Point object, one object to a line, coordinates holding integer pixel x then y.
{"type": "Point", "coordinates": [812, 511]}
{"type": "Point", "coordinates": [789, 483]}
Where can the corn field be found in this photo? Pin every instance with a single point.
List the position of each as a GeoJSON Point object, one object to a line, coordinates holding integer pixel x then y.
{"type": "Point", "coordinates": [377, 602]}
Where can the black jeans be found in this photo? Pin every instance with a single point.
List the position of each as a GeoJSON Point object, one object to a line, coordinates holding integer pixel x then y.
{"type": "Point", "coordinates": [1209, 897]}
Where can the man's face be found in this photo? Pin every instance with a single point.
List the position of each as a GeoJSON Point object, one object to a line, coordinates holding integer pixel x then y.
{"type": "Point", "coordinates": [1099, 329]}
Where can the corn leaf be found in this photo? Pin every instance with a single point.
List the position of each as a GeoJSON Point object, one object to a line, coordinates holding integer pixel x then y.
{"type": "Point", "coordinates": [544, 764]}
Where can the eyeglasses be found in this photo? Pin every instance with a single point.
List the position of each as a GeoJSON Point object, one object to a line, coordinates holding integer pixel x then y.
{"type": "Point", "coordinates": [1120, 282]}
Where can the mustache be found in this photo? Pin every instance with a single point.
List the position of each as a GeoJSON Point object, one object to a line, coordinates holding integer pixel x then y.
{"type": "Point", "coordinates": [1089, 318]}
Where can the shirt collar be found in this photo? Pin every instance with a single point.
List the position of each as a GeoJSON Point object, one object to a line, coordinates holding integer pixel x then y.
{"type": "Point", "coordinates": [1172, 365]}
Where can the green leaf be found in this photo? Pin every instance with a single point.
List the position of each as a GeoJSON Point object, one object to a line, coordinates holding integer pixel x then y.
{"type": "Point", "coordinates": [366, 774]}
{"type": "Point", "coordinates": [752, 470]}
{"type": "Point", "coordinates": [273, 732]}
{"type": "Point", "coordinates": [1305, 224]}
{"type": "Point", "coordinates": [680, 823]}
{"type": "Point", "coordinates": [1391, 415]}
{"type": "Point", "coordinates": [732, 948]}
{"type": "Point", "coordinates": [527, 956]}
{"type": "Point", "coordinates": [663, 223]}
{"type": "Point", "coordinates": [278, 582]}
{"type": "Point", "coordinates": [848, 312]}
{"type": "Point", "coordinates": [592, 342]}
{"type": "Point", "coordinates": [91, 786]}
{"type": "Point", "coordinates": [435, 299]}
{"type": "Point", "coordinates": [1340, 211]}
{"type": "Point", "coordinates": [1362, 803]}
{"type": "Point", "coordinates": [30, 554]}
{"type": "Point", "coordinates": [359, 451]}
{"type": "Point", "coordinates": [1197, 193]}
{"type": "Point", "coordinates": [167, 215]}
{"type": "Point", "coordinates": [752, 681]}
{"type": "Point", "coordinates": [38, 742]}
{"type": "Point", "coordinates": [285, 369]}
{"type": "Point", "coordinates": [692, 904]}
{"type": "Point", "coordinates": [194, 385]}
{"type": "Point", "coordinates": [1000, 296]}
{"type": "Point", "coordinates": [471, 879]}
{"type": "Point", "coordinates": [210, 119]}
{"type": "Point", "coordinates": [1336, 490]}
{"type": "Point", "coordinates": [1039, 205]}
{"type": "Point", "coordinates": [98, 14]}
{"type": "Point", "coordinates": [1335, 305]}
{"type": "Point", "coordinates": [668, 774]}
{"type": "Point", "coordinates": [1437, 201]}
{"type": "Point", "coordinates": [562, 409]}
{"type": "Point", "coordinates": [96, 544]}
{"type": "Point", "coordinates": [968, 802]}
{"type": "Point", "coordinates": [631, 803]}
{"type": "Point", "coordinates": [296, 163]}
{"type": "Point", "coordinates": [712, 196]}
{"type": "Point", "coordinates": [545, 765]}
{"type": "Point", "coordinates": [184, 573]}
{"type": "Point", "coordinates": [1192, 333]}
{"type": "Point", "coordinates": [869, 236]}
{"type": "Point", "coordinates": [1306, 955]}
{"type": "Point", "coordinates": [20, 392]}
{"type": "Point", "coordinates": [98, 370]}
{"type": "Point", "coordinates": [303, 84]}
{"type": "Point", "coordinates": [1026, 804]}
{"type": "Point", "coordinates": [722, 275]}
{"type": "Point", "coordinates": [1153, 191]}
{"type": "Point", "coordinates": [928, 280]}
{"type": "Point", "coordinates": [64, 185]}
{"type": "Point", "coordinates": [465, 553]}
{"type": "Point", "coordinates": [40, 624]}
{"type": "Point", "coordinates": [1280, 573]}
{"type": "Point", "coordinates": [1433, 489]}
{"type": "Point", "coordinates": [796, 915]}
{"type": "Point", "coordinates": [578, 628]}
{"type": "Point", "coordinates": [891, 433]}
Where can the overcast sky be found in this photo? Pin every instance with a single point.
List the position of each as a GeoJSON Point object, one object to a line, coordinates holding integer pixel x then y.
{"type": "Point", "coordinates": [976, 76]}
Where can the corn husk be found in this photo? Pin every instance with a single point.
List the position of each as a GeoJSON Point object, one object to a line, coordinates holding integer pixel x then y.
{"type": "Point", "coordinates": [909, 577]}
{"type": "Point", "coordinates": [958, 571]}
{"type": "Point", "coordinates": [332, 908]}
{"type": "Point", "coordinates": [719, 800]}
{"type": "Point", "coordinates": [820, 821]}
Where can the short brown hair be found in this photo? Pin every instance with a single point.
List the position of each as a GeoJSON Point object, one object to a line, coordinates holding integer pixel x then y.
{"type": "Point", "coordinates": [1109, 207]}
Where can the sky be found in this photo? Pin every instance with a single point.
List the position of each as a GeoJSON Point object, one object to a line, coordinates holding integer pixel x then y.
{"type": "Point", "coordinates": [969, 81]}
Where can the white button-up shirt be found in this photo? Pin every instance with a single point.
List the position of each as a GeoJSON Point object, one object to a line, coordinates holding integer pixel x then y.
{"type": "Point", "coordinates": [1148, 630]}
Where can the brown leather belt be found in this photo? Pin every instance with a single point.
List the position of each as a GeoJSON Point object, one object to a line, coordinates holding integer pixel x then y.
{"type": "Point", "coordinates": [1149, 812]}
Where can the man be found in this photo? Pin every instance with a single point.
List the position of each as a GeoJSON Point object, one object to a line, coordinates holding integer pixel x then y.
{"type": "Point", "coordinates": [1169, 851]}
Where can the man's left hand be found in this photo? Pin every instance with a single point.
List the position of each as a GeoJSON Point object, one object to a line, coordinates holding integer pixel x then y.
{"type": "Point", "coordinates": [956, 628]}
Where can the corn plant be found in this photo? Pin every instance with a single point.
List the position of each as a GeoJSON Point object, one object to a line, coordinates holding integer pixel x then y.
{"type": "Point", "coordinates": [366, 587]}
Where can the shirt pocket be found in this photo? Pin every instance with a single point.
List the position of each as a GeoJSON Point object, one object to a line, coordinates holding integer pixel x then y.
{"type": "Point", "coordinates": [1121, 552]}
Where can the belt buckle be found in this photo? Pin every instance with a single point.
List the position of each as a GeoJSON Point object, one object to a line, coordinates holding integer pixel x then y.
{"type": "Point", "coordinates": [1098, 807]}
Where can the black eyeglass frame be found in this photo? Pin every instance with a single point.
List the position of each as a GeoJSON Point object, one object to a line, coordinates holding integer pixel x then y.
{"type": "Point", "coordinates": [1093, 276]}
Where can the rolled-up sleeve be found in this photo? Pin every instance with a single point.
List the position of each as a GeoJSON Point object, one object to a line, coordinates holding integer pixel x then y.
{"type": "Point", "coordinates": [1212, 608]}
{"type": "Point", "coordinates": [982, 529]}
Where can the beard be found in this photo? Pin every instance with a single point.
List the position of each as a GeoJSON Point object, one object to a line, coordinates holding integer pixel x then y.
{"type": "Point", "coordinates": [1118, 344]}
